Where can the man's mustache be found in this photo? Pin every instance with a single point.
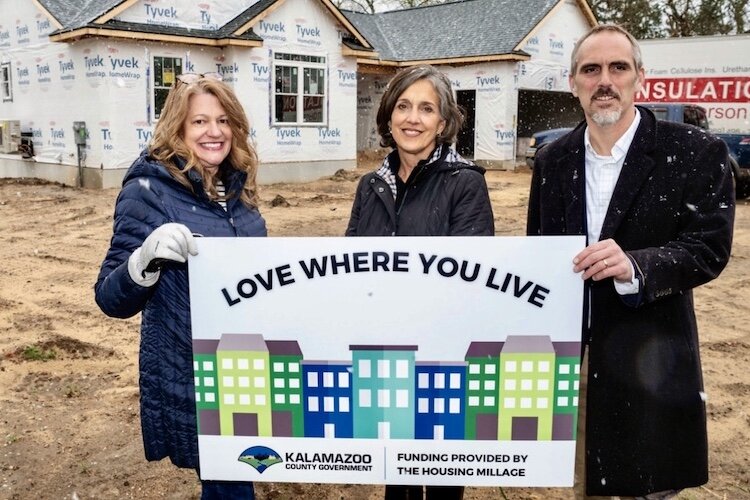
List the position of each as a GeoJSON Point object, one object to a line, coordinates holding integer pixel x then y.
{"type": "Point", "coordinates": [605, 93]}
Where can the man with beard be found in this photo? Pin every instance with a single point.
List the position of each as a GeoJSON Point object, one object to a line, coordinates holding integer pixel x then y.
{"type": "Point", "coordinates": [656, 202]}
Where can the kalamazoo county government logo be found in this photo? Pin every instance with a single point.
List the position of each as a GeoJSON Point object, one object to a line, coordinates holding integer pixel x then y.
{"type": "Point", "coordinates": [260, 458]}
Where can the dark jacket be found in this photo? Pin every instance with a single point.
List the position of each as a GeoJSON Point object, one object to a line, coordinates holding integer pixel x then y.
{"type": "Point", "coordinates": [672, 210]}
{"type": "Point", "coordinates": [151, 197]}
{"type": "Point", "coordinates": [443, 198]}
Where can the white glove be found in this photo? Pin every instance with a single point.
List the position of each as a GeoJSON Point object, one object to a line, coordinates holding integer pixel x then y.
{"type": "Point", "coordinates": [168, 242]}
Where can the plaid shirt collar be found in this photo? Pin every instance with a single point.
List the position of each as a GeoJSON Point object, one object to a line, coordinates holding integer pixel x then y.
{"type": "Point", "coordinates": [389, 176]}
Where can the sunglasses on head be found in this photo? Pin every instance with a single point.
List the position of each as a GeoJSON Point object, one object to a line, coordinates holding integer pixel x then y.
{"type": "Point", "coordinates": [194, 77]}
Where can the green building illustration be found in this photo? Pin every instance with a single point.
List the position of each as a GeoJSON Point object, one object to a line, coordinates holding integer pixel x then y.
{"type": "Point", "coordinates": [206, 386]}
{"type": "Point", "coordinates": [483, 361]}
{"type": "Point", "coordinates": [567, 373]}
{"type": "Point", "coordinates": [288, 412]}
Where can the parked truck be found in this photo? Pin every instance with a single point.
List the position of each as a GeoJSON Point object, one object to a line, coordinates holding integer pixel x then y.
{"type": "Point", "coordinates": [738, 144]}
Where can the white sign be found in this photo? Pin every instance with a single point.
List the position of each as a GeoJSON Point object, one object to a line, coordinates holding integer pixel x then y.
{"type": "Point", "coordinates": [413, 360]}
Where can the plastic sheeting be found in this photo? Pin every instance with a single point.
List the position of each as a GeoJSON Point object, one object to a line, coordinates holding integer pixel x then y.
{"type": "Point", "coordinates": [109, 83]}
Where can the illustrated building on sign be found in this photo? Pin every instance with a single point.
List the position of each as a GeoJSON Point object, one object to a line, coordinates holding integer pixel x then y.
{"type": "Point", "coordinates": [328, 397]}
{"type": "Point", "coordinates": [528, 380]}
{"type": "Point", "coordinates": [483, 359]}
{"type": "Point", "coordinates": [383, 389]}
{"type": "Point", "coordinates": [525, 388]}
{"type": "Point", "coordinates": [567, 372]}
{"type": "Point", "coordinates": [441, 396]}
{"type": "Point", "coordinates": [243, 373]}
{"type": "Point", "coordinates": [287, 409]}
{"type": "Point", "coordinates": [206, 387]}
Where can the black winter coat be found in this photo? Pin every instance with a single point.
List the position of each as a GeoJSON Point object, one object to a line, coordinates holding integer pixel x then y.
{"type": "Point", "coordinates": [151, 197]}
{"type": "Point", "coordinates": [672, 210]}
{"type": "Point", "coordinates": [443, 198]}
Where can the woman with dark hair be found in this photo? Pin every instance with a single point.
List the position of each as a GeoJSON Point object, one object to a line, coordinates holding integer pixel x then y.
{"type": "Point", "coordinates": [196, 178]}
{"type": "Point", "coordinates": [423, 187]}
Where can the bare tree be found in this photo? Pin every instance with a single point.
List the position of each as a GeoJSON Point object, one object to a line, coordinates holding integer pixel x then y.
{"type": "Point", "coordinates": [366, 6]}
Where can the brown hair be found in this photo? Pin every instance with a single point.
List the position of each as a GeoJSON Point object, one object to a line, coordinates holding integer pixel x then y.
{"type": "Point", "coordinates": [449, 110]}
{"type": "Point", "coordinates": [612, 28]}
{"type": "Point", "coordinates": [168, 141]}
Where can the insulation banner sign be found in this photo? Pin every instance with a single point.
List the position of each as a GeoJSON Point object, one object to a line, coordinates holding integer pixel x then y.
{"type": "Point", "coordinates": [414, 360]}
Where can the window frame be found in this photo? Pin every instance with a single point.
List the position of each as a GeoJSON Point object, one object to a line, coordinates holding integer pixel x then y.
{"type": "Point", "coordinates": [5, 71]}
{"type": "Point", "coordinates": [177, 70]}
{"type": "Point", "coordinates": [308, 67]}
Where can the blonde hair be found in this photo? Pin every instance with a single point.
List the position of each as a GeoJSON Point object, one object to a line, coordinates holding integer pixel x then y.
{"type": "Point", "coordinates": [168, 141]}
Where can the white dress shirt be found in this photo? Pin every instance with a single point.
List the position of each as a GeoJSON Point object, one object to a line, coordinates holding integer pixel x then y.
{"type": "Point", "coordinates": [602, 173]}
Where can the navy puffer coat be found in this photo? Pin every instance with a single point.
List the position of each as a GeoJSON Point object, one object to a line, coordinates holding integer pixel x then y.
{"type": "Point", "coordinates": [151, 197]}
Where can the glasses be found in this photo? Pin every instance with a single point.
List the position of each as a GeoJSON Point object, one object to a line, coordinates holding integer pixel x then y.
{"type": "Point", "coordinates": [189, 78]}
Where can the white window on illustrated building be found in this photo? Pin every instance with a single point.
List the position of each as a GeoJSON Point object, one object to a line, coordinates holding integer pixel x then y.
{"type": "Point", "coordinates": [402, 398]}
{"type": "Point", "coordinates": [423, 405]}
{"type": "Point", "coordinates": [343, 379]}
{"type": "Point", "coordinates": [454, 405]}
{"type": "Point", "coordinates": [312, 404]}
{"type": "Point", "coordinates": [364, 368]}
{"type": "Point", "coordinates": [343, 404]}
{"type": "Point", "coordinates": [300, 90]}
{"type": "Point", "coordinates": [384, 368]}
{"type": "Point", "coordinates": [365, 398]}
{"type": "Point", "coordinates": [439, 405]}
{"type": "Point", "coordinates": [384, 398]}
{"type": "Point", "coordinates": [402, 368]}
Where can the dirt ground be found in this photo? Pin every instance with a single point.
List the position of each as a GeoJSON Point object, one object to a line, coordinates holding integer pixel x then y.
{"type": "Point", "coordinates": [69, 422]}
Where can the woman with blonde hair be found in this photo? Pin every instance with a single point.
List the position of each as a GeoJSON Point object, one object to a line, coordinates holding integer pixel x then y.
{"type": "Point", "coordinates": [196, 178]}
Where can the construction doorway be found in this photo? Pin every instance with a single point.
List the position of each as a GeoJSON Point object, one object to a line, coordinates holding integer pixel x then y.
{"type": "Point", "coordinates": [542, 110]}
{"type": "Point", "coordinates": [467, 99]}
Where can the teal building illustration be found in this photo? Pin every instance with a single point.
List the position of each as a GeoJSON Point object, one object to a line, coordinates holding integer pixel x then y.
{"type": "Point", "coordinates": [383, 391]}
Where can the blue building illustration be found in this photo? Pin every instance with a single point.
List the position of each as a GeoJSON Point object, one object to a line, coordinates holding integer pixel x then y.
{"type": "Point", "coordinates": [441, 400]}
{"type": "Point", "coordinates": [327, 386]}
